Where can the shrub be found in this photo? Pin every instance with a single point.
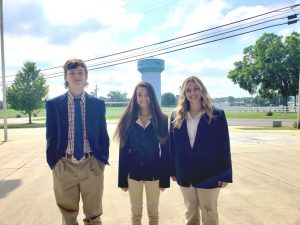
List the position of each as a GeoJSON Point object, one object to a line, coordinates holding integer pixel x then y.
{"type": "Point", "coordinates": [18, 116]}
{"type": "Point", "coordinates": [295, 124]}
{"type": "Point", "coordinates": [269, 113]}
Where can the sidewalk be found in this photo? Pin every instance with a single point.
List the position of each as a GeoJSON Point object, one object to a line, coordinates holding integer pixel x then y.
{"type": "Point", "coordinates": [266, 188]}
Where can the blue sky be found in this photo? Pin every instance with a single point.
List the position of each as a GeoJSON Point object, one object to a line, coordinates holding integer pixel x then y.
{"type": "Point", "coordinates": [50, 32]}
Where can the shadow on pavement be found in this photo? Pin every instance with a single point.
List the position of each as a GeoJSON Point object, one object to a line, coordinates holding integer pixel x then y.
{"type": "Point", "coordinates": [8, 185]}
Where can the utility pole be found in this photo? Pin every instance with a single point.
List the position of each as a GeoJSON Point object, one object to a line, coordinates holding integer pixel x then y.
{"type": "Point", "coordinates": [96, 90]}
{"type": "Point", "coordinates": [298, 113]}
{"type": "Point", "coordinates": [3, 73]}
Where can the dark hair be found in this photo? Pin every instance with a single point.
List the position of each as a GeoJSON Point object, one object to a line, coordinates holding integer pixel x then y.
{"type": "Point", "coordinates": [129, 117]}
{"type": "Point", "coordinates": [73, 63]}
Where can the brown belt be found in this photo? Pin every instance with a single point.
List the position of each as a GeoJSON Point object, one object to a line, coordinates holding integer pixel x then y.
{"type": "Point", "coordinates": [85, 154]}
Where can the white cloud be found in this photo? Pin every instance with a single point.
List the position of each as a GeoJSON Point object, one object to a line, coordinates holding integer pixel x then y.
{"type": "Point", "coordinates": [121, 31]}
{"type": "Point", "coordinates": [219, 86]}
{"type": "Point", "coordinates": [243, 13]}
{"type": "Point", "coordinates": [110, 14]}
{"type": "Point", "coordinates": [174, 20]}
{"type": "Point", "coordinates": [74, 11]}
{"type": "Point", "coordinates": [204, 15]}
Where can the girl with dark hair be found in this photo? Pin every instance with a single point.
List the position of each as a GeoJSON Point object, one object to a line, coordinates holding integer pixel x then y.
{"type": "Point", "coordinates": [144, 154]}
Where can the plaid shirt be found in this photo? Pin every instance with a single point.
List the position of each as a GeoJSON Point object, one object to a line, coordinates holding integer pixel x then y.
{"type": "Point", "coordinates": [71, 114]}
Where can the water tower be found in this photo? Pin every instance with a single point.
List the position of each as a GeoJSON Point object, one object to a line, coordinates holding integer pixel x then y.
{"type": "Point", "coordinates": [151, 69]}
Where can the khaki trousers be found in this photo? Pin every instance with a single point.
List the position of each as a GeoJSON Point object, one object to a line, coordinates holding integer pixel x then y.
{"type": "Point", "coordinates": [70, 180]}
{"type": "Point", "coordinates": [206, 200]}
{"type": "Point", "coordinates": [135, 189]}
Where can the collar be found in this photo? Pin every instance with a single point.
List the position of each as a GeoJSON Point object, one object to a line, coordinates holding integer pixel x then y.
{"type": "Point", "coordinates": [71, 97]}
{"type": "Point", "coordinates": [189, 117]}
{"type": "Point", "coordinates": [139, 122]}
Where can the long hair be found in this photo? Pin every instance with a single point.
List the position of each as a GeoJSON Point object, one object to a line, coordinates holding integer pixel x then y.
{"type": "Point", "coordinates": [183, 105]}
{"type": "Point", "coordinates": [130, 115]}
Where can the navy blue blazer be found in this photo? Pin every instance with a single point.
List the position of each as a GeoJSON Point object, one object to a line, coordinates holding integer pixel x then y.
{"type": "Point", "coordinates": [144, 158]}
{"type": "Point", "coordinates": [209, 161]}
{"type": "Point", "coordinates": [57, 128]}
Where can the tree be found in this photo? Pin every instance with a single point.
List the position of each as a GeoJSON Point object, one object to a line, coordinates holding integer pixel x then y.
{"type": "Point", "coordinates": [117, 96]}
{"type": "Point", "coordinates": [231, 100]}
{"type": "Point", "coordinates": [259, 101]}
{"type": "Point", "coordinates": [270, 67]}
{"type": "Point", "coordinates": [28, 91]}
{"type": "Point", "coordinates": [168, 99]}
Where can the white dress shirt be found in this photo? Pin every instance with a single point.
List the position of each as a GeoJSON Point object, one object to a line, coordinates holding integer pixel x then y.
{"type": "Point", "coordinates": [192, 124]}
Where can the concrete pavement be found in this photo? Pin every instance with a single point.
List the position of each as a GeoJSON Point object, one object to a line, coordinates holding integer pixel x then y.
{"type": "Point", "coordinates": [266, 188]}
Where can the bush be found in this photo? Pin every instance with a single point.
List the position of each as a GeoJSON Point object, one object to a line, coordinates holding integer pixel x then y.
{"type": "Point", "coordinates": [18, 116]}
{"type": "Point", "coordinates": [269, 113]}
{"type": "Point", "coordinates": [295, 124]}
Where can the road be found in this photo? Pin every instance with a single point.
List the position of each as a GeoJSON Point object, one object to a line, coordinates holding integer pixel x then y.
{"type": "Point", "coordinates": [259, 122]}
{"type": "Point", "coordinates": [265, 191]}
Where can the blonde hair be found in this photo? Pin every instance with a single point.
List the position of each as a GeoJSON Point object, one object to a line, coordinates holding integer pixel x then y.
{"type": "Point", "coordinates": [183, 105]}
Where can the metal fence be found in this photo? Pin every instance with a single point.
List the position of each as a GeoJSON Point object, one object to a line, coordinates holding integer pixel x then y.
{"type": "Point", "coordinates": [282, 108]}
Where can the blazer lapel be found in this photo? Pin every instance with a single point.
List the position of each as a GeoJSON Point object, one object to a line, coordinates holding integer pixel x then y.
{"type": "Point", "coordinates": [88, 111]}
{"type": "Point", "coordinates": [63, 111]}
{"type": "Point", "coordinates": [185, 136]}
{"type": "Point", "coordinates": [202, 132]}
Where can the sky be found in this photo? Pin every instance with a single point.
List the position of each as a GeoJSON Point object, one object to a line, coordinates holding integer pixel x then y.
{"type": "Point", "coordinates": [50, 32]}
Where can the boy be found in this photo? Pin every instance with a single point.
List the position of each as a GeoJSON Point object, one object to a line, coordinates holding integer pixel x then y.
{"type": "Point", "coordinates": [77, 146]}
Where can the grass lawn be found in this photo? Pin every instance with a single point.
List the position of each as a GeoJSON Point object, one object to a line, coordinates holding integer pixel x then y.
{"type": "Point", "coordinates": [116, 112]}
{"type": "Point", "coordinates": [23, 125]}
{"type": "Point", "coordinates": [268, 128]}
{"type": "Point", "coordinates": [262, 115]}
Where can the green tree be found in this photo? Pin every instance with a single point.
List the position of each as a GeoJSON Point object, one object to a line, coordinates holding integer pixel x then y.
{"type": "Point", "coordinates": [28, 91]}
{"type": "Point", "coordinates": [117, 96]}
{"type": "Point", "coordinates": [270, 67]}
{"type": "Point", "coordinates": [168, 99]}
{"type": "Point", "coordinates": [259, 101]}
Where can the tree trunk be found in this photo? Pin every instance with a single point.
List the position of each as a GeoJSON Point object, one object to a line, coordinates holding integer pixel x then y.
{"type": "Point", "coordinates": [284, 99]}
{"type": "Point", "coordinates": [30, 118]}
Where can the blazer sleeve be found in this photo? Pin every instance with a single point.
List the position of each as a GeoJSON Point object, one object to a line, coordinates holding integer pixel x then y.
{"type": "Point", "coordinates": [51, 134]}
{"type": "Point", "coordinates": [172, 147]}
{"type": "Point", "coordinates": [123, 166]}
{"type": "Point", "coordinates": [224, 148]}
{"type": "Point", "coordinates": [104, 138]}
{"type": "Point", "coordinates": [164, 181]}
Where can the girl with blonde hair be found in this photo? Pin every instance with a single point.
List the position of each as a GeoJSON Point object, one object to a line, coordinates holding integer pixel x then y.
{"type": "Point", "coordinates": [200, 152]}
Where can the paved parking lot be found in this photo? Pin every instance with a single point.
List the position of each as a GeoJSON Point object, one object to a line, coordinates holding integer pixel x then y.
{"type": "Point", "coordinates": [266, 188]}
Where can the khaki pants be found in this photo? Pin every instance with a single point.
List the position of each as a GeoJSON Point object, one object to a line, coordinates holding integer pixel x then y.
{"type": "Point", "coordinates": [135, 189]}
{"type": "Point", "coordinates": [206, 200]}
{"type": "Point", "coordinates": [70, 180]}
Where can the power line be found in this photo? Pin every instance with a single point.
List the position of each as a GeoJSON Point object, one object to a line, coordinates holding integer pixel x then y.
{"type": "Point", "coordinates": [187, 35]}
{"type": "Point", "coordinates": [183, 43]}
{"type": "Point", "coordinates": [183, 48]}
{"type": "Point", "coordinates": [161, 50]}
{"type": "Point", "coordinates": [113, 62]}
{"type": "Point", "coordinates": [158, 52]}
{"type": "Point", "coordinates": [179, 49]}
